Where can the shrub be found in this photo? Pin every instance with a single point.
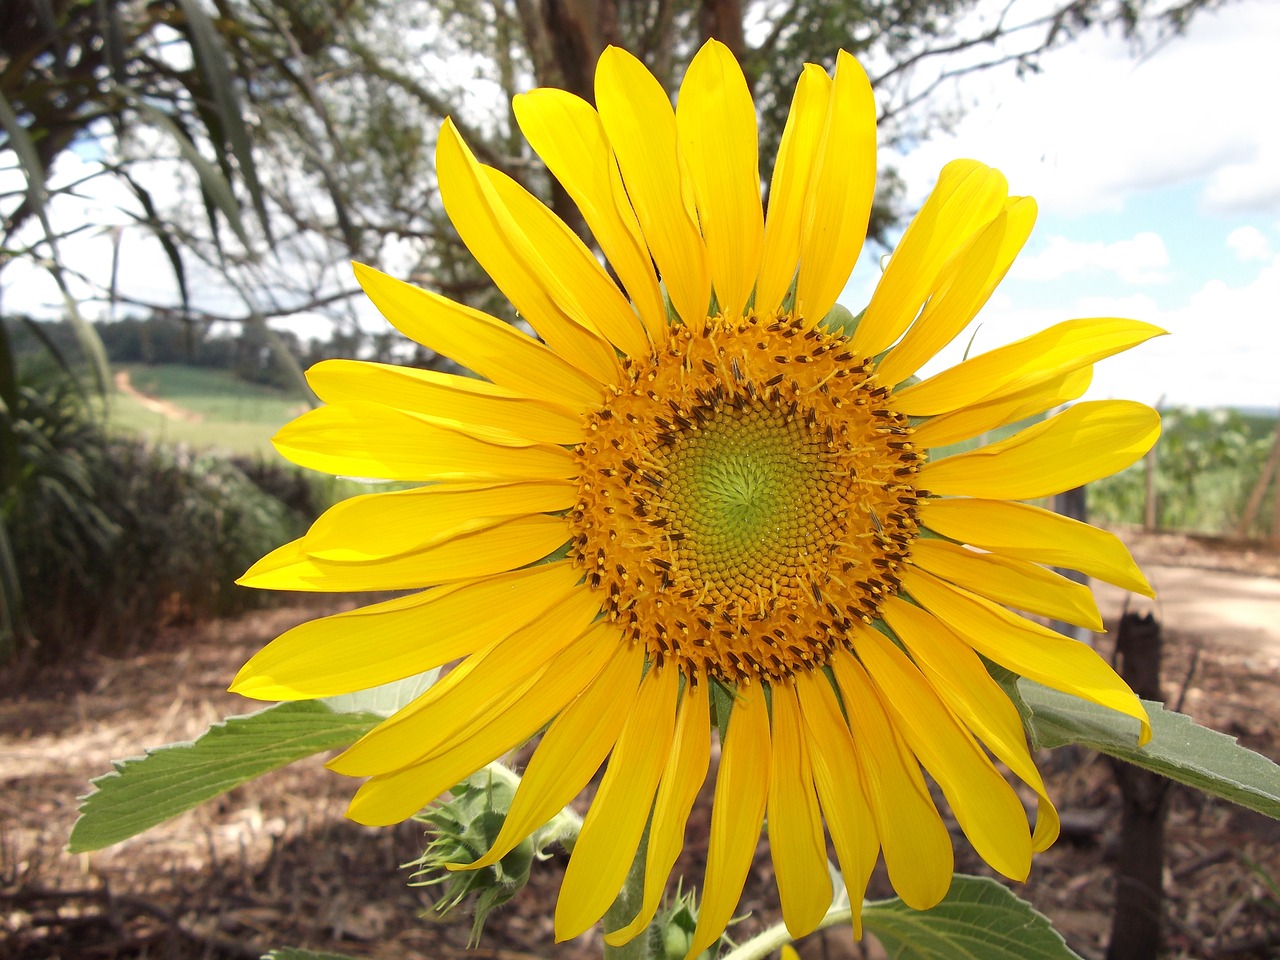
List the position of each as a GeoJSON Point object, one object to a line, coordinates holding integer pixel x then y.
{"type": "Point", "coordinates": [102, 538]}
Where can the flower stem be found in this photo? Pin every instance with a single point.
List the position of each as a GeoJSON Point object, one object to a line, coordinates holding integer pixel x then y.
{"type": "Point", "coordinates": [772, 940]}
{"type": "Point", "coordinates": [625, 907]}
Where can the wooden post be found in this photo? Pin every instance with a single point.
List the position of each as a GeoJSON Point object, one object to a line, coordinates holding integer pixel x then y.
{"type": "Point", "coordinates": [1073, 503]}
{"type": "Point", "coordinates": [1135, 925]}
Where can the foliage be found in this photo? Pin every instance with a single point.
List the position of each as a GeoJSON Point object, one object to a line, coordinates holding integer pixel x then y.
{"type": "Point", "coordinates": [322, 118]}
{"type": "Point", "coordinates": [182, 527]}
{"type": "Point", "coordinates": [144, 791]}
{"type": "Point", "coordinates": [1179, 749]}
{"type": "Point", "coordinates": [977, 919]}
{"type": "Point", "coordinates": [1206, 464]}
{"type": "Point", "coordinates": [47, 499]}
{"type": "Point", "coordinates": [79, 73]}
{"type": "Point", "coordinates": [150, 534]}
{"type": "Point", "coordinates": [180, 776]}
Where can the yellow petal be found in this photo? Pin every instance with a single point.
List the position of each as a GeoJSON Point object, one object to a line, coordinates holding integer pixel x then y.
{"type": "Point", "coordinates": [737, 814]}
{"type": "Point", "coordinates": [716, 123]}
{"type": "Point", "coordinates": [510, 257]}
{"type": "Point", "coordinates": [429, 723]}
{"type": "Point", "coordinates": [611, 831]}
{"type": "Point", "coordinates": [370, 440]}
{"type": "Point", "coordinates": [473, 406]}
{"type": "Point", "coordinates": [917, 848]}
{"type": "Point", "coordinates": [1031, 533]}
{"type": "Point", "coordinates": [641, 126]}
{"type": "Point", "coordinates": [384, 525]}
{"type": "Point", "coordinates": [840, 191]}
{"type": "Point", "coordinates": [789, 188]}
{"type": "Point", "coordinates": [575, 745]}
{"type": "Point", "coordinates": [685, 772]}
{"type": "Point", "coordinates": [796, 839]}
{"type": "Point", "coordinates": [1087, 441]}
{"type": "Point", "coordinates": [986, 807]}
{"type": "Point", "coordinates": [836, 774]}
{"type": "Point", "coordinates": [962, 680]}
{"type": "Point", "coordinates": [1001, 409]}
{"type": "Point", "coordinates": [399, 638]}
{"type": "Point", "coordinates": [1015, 583]}
{"type": "Point", "coordinates": [1026, 648]}
{"type": "Point", "coordinates": [390, 798]}
{"type": "Point", "coordinates": [479, 342]}
{"type": "Point", "coordinates": [567, 134]}
{"type": "Point", "coordinates": [572, 276]}
{"type": "Point", "coordinates": [965, 284]}
{"type": "Point", "coordinates": [1042, 356]}
{"type": "Point", "coordinates": [496, 549]}
{"type": "Point", "coordinates": [967, 197]}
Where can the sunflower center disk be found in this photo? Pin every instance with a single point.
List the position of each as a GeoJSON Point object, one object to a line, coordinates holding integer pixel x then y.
{"type": "Point", "coordinates": [743, 497]}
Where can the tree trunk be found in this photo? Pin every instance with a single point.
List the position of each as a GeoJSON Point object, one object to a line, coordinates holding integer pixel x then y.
{"type": "Point", "coordinates": [1260, 489]}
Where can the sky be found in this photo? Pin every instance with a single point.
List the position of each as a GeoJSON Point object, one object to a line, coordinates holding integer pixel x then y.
{"type": "Point", "coordinates": [1158, 184]}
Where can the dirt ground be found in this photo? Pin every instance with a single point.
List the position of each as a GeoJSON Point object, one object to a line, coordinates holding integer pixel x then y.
{"type": "Point", "coordinates": [275, 864]}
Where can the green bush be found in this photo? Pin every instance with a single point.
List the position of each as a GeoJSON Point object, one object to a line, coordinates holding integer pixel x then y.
{"type": "Point", "coordinates": [177, 529]}
{"type": "Point", "coordinates": [102, 538]}
{"type": "Point", "coordinates": [1207, 462]}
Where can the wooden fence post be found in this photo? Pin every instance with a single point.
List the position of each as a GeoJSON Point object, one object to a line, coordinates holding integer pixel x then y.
{"type": "Point", "coordinates": [1135, 924]}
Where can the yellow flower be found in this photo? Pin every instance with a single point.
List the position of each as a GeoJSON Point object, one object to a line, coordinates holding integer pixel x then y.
{"type": "Point", "coordinates": [642, 504]}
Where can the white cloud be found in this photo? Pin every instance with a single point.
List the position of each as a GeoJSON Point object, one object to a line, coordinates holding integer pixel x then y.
{"type": "Point", "coordinates": [1249, 243]}
{"type": "Point", "coordinates": [1252, 183]}
{"type": "Point", "coordinates": [1098, 123]}
{"type": "Point", "coordinates": [1139, 261]}
{"type": "Point", "coordinates": [1222, 349]}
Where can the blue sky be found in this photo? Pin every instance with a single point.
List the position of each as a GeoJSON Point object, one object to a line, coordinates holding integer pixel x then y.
{"type": "Point", "coordinates": [1158, 182]}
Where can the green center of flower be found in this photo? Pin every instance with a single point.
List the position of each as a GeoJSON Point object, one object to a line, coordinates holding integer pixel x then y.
{"type": "Point", "coordinates": [747, 491]}
{"type": "Point", "coordinates": [743, 497]}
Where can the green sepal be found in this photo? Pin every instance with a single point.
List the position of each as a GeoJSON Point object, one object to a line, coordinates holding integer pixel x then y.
{"type": "Point", "coordinates": [462, 830]}
{"type": "Point", "coordinates": [841, 320]}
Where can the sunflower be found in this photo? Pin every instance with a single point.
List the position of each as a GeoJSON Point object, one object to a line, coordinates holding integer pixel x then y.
{"type": "Point", "coordinates": [699, 483]}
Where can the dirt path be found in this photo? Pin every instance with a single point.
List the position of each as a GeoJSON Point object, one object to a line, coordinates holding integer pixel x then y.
{"type": "Point", "coordinates": [163, 407]}
{"type": "Point", "coordinates": [1225, 592]}
{"type": "Point", "coordinates": [1235, 610]}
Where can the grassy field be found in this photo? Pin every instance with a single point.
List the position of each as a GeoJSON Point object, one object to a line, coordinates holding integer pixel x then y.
{"type": "Point", "coordinates": [212, 408]}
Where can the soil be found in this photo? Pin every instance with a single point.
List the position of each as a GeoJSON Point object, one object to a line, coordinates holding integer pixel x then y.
{"type": "Point", "coordinates": [165, 408]}
{"type": "Point", "coordinates": [273, 863]}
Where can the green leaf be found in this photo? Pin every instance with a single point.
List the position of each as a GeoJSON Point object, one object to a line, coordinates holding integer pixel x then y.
{"type": "Point", "coordinates": [294, 953]}
{"type": "Point", "coordinates": [1180, 749]}
{"type": "Point", "coordinates": [145, 791]}
{"type": "Point", "coordinates": [978, 920]}
{"type": "Point", "coordinates": [383, 700]}
{"type": "Point", "coordinates": [154, 223]}
{"type": "Point", "coordinates": [212, 182]}
{"type": "Point", "coordinates": [211, 58]}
